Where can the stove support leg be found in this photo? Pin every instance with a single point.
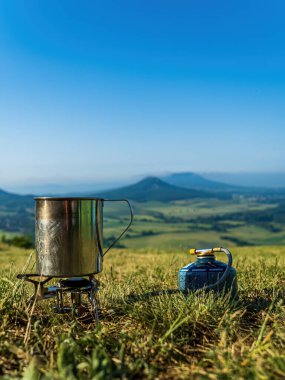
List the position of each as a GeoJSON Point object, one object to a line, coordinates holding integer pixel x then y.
{"type": "Point", "coordinates": [92, 296]}
{"type": "Point", "coordinates": [59, 300]}
{"type": "Point", "coordinates": [76, 299]}
{"type": "Point", "coordinates": [34, 296]}
{"type": "Point", "coordinates": [76, 303]}
{"type": "Point", "coordinates": [94, 303]}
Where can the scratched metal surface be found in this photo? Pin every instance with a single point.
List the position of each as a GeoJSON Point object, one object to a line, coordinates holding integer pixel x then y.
{"type": "Point", "coordinates": [68, 236]}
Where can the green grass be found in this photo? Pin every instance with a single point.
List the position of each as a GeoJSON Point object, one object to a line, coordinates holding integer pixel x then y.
{"type": "Point", "coordinates": [166, 337]}
{"type": "Point", "coordinates": [186, 235]}
{"type": "Point", "coordinates": [195, 222]}
{"type": "Point", "coordinates": [180, 224]}
{"type": "Point", "coordinates": [195, 208]}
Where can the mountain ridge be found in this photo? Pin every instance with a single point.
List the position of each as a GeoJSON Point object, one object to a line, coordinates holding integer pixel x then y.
{"type": "Point", "coordinates": [192, 180]}
{"type": "Point", "coordinates": [154, 189]}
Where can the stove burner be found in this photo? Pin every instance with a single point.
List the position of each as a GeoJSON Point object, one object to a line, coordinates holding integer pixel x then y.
{"type": "Point", "coordinates": [75, 287]}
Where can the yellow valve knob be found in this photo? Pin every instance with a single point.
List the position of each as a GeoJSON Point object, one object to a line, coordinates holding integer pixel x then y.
{"type": "Point", "coordinates": [194, 251]}
{"type": "Point", "coordinates": [204, 252]}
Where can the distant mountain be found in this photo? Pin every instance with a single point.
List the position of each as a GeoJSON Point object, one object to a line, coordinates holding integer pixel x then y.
{"type": "Point", "coordinates": [195, 181]}
{"type": "Point", "coordinates": [14, 200]}
{"type": "Point", "coordinates": [154, 189]}
{"type": "Point", "coordinates": [16, 212]}
{"type": "Point", "coordinates": [255, 180]}
{"type": "Point", "coordinates": [75, 187]}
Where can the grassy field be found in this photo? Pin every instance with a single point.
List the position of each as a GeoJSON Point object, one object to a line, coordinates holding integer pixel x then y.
{"type": "Point", "coordinates": [179, 224]}
{"type": "Point", "coordinates": [165, 337]}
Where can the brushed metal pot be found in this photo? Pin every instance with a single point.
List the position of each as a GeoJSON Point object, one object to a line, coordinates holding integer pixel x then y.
{"type": "Point", "coordinates": [69, 235]}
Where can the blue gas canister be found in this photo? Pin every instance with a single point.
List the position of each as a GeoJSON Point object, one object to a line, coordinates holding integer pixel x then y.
{"type": "Point", "coordinates": [207, 273]}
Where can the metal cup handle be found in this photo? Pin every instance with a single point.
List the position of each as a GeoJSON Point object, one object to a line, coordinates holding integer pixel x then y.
{"type": "Point", "coordinates": [128, 226]}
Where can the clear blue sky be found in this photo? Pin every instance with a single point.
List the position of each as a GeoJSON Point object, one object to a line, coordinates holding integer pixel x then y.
{"type": "Point", "coordinates": [93, 90]}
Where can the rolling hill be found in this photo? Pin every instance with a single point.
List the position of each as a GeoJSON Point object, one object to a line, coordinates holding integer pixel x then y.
{"type": "Point", "coordinates": [264, 211]}
{"type": "Point", "coordinates": [14, 201]}
{"type": "Point", "coordinates": [16, 212]}
{"type": "Point", "coordinates": [271, 180]}
{"type": "Point", "coordinates": [154, 189]}
{"type": "Point", "coordinates": [195, 181]}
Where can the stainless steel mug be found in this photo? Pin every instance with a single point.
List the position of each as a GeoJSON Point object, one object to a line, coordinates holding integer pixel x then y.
{"type": "Point", "coordinates": [69, 235]}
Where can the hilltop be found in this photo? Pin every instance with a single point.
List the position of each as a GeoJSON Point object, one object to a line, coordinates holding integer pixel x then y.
{"type": "Point", "coordinates": [228, 215]}
{"type": "Point", "coordinates": [195, 181]}
{"type": "Point", "coordinates": [154, 189]}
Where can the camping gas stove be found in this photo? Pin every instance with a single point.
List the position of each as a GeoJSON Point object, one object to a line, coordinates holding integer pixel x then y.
{"type": "Point", "coordinates": [74, 287]}
{"type": "Point", "coordinates": [69, 247]}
